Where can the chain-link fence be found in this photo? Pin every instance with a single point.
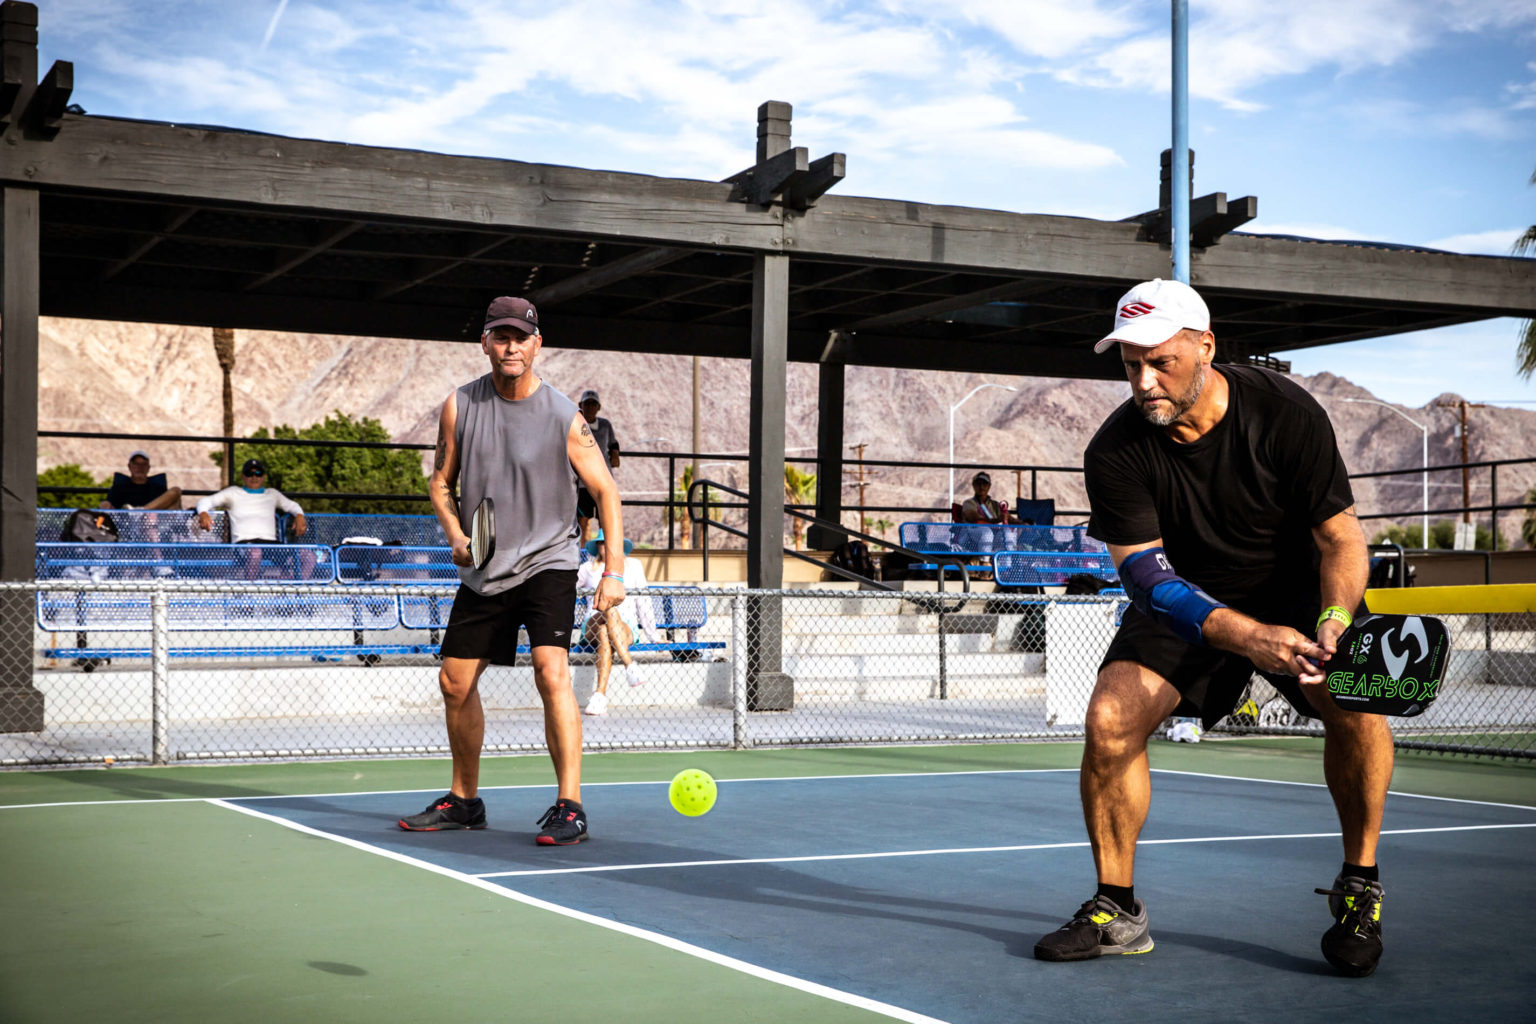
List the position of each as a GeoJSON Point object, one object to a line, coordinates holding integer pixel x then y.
{"type": "Point", "coordinates": [159, 671]}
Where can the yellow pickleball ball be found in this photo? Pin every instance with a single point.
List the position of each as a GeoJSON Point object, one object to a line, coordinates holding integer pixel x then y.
{"type": "Point", "coordinates": [692, 792]}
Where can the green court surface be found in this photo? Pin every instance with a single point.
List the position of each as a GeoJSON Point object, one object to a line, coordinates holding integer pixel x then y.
{"type": "Point", "coordinates": [130, 896]}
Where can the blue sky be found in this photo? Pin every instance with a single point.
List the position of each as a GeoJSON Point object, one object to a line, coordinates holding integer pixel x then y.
{"type": "Point", "coordinates": [1395, 120]}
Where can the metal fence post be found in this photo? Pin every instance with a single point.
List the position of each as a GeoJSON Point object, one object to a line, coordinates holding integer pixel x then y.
{"type": "Point", "coordinates": [739, 738]}
{"type": "Point", "coordinates": [159, 671]}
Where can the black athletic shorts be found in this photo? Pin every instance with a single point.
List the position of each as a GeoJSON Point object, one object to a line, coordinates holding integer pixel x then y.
{"type": "Point", "coordinates": [586, 505]}
{"type": "Point", "coordinates": [481, 626]}
{"type": "Point", "coordinates": [1210, 682]}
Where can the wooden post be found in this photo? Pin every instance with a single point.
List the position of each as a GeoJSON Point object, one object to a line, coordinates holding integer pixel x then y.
{"type": "Point", "coordinates": [21, 703]}
{"type": "Point", "coordinates": [829, 455]}
{"type": "Point", "coordinates": [768, 688]}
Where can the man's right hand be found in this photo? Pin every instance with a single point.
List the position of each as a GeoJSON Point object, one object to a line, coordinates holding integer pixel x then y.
{"type": "Point", "coordinates": [204, 521]}
{"type": "Point", "coordinates": [1283, 649]}
{"type": "Point", "coordinates": [461, 552]}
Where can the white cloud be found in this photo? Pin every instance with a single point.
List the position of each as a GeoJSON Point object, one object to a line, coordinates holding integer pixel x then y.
{"type": "Point", "coordinates": [1485, 243]}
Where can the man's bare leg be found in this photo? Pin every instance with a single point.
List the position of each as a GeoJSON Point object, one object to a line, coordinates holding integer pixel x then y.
{"type": "Point", "coordinates": [1357, 765]}
{"type": "Point", "coordinates": [1129, 701]}
{"type": "Point", "coordinates": [459, 680]}
{"type": "Point", "coordinates": [170, 499]}
{"type": "Point", "coordinates": [562, 718]}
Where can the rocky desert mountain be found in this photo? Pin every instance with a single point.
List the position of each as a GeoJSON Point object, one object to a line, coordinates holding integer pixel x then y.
{"type": "Point", "coordinates": [155, 379]}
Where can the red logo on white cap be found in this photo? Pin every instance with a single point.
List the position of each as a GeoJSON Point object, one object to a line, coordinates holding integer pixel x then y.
{"type": "Point", "coordinates": [1135, 309]}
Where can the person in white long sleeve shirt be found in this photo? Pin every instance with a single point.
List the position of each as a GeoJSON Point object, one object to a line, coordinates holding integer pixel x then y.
{"type": "Point", "coordinates": [252, 508]}
{"type": "Point", "coordinates": [613, 631]}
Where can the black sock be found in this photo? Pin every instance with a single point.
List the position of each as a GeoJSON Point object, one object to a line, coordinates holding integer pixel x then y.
{"type": "Point", "coordinates": [1370, 874]}
{"type": "Point", "coordinates": [1123, 895]}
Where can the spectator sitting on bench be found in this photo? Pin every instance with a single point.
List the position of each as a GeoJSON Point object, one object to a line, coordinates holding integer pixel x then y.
{"type": "Point", "coordinates": [980, 508]}
{"type": "Point", "coordinates": [252, 511]}
{"type": "Point", "coordinates": [612, 632]}
{"type": "Point", "coordinates": [140, 490]}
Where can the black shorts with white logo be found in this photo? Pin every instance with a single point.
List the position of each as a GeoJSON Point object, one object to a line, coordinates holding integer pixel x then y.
{"type": "Point", "coordinates": [482, 626]}
{"type": "Point", "coordinates": [1210, 682]}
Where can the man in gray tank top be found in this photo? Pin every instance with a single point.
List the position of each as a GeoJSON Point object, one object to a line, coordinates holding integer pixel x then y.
{"type": "Point", "coordinates": [511, 438]}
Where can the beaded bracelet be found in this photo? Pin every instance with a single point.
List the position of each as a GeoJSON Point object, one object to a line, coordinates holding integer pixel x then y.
{"type": "Point", "coordinates": [1335, 613]}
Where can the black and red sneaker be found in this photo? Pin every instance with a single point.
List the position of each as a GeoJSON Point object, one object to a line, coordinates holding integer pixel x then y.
{"type": "Point", "coordinates": [564, 824]}
{"type": "Point", "coordinates": [445, 813]}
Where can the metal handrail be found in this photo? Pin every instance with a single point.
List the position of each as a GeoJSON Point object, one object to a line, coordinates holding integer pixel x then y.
{"type": "Point", "coordinates": [703, 519]}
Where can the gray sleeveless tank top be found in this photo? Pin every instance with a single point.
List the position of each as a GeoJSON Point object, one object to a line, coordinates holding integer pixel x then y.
{"type": "Point", "coordinates": [514, 452]}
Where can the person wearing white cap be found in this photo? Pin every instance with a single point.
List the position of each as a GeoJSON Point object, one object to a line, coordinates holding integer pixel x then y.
{"type": "Point", "coordinates": [140, 490]}
{"type": "Point", "coordinates": [1226, 506]}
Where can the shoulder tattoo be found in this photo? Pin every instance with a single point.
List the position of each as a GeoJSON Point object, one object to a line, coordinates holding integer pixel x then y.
{"type": "Point", "coordinates": [587, 440]}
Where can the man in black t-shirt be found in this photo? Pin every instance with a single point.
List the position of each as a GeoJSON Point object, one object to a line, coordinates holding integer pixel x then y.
{"type": "Point", "coordinates": [1227, 508]}
{"type": "Point", "coordinates": [140, 490]}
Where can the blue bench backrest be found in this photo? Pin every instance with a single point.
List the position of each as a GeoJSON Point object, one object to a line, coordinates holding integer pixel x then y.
{"type": "Point", "coordinates": [140, 526]}
{"type": "Point", "coordinates": [373, 563]}
{"type": "Point", "coordinates": [334, 527]}
{"type": "Point", "coordinates": [264, 563]}
{"type": "Point", "coordinates": [1049, 568]}
{"type": "Point", "coordinates": [975, 539]}
{"type": "Point", "coordinates": [59, 611]}
{"type": "Point", "coordinates": [685, 609]}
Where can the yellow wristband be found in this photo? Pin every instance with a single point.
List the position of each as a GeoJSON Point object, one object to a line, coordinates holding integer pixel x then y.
{"type": "Point", "coordinates": [1336, 613]}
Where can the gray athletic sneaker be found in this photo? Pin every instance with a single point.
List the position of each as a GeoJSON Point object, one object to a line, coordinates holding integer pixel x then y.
{"type": "Point", "coordinates": [1100, 927]}
{"type": "Point", "coordinates": [1353, 944]}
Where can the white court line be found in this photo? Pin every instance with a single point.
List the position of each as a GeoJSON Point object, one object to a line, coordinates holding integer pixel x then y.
{"type": "Point", "coordinates": [437, 790]}
{"type": "Point", "coordinates": [764, 778]}
{"type": "Point", "coordinates": [595, 869]}
{"type": "Point", "coordinates": [799, 984]}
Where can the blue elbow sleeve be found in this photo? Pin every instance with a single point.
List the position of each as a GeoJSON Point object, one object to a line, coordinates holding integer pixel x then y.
{"type": "Point", "coordinates": [1162, 594]}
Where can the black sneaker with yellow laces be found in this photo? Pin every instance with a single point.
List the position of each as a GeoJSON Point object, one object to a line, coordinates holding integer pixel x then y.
{"type": "Point", "coordinates": [1353, 944]}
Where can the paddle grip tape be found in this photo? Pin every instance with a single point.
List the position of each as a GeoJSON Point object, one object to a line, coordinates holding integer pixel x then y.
{"type": "Point", "coordinates": [1162, 594]}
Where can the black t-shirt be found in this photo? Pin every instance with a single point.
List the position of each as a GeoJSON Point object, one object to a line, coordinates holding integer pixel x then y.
{"type": "Point", "coordinates": [1235, 508]}
{"type": "Point", "coordinates": [125, 492]}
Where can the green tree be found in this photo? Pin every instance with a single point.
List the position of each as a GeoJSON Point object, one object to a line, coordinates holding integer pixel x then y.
{"type": "Point", "coordinates": [293, 468]}
{"type": "Point", "coordinates": [880, 526]}
{"type": "Point", "coordinates": [1528, 527]}
{"type": "Point", "coordinates": [67, 475]}
{"type": "Point", "coordinates": [1442, 534]}
{"type": "Point", "coordinates": [1525, 352]}
{"type": "Point", "coordinates": [799, 489]}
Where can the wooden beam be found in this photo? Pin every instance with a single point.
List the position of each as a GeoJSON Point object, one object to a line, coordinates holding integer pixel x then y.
{"type": "Point", "coordinates": [1206, 229]}
{"type": "Point", "coordinates": [609, 273]}
{"type": "Point", "coordinates": [200, 165]}
{"type": "Point", "coordinates": [442, 267]}
{"type": "Point", "coordinates": [938, 307]}
{"type": "Point", "coordinates": [177, 219]}
{"type": "Point", "coordinates": [760, 184]}
{"type": "Point", "coordinates": [45, 109]}
{"type": "Point", "coordinates": [821, 175]}
{"type": "Point", "coordinates": [329, 239]}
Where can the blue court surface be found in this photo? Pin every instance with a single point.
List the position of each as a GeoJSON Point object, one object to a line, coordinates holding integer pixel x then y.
{"type": "Point", "coordinates": [926, 893]}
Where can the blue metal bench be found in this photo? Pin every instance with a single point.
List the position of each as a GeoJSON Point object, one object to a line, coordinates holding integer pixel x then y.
{"type": "Point", "coordinates": [250, 563]}
{"type": "Point", "coordinates": [142, 526]}
{"type": "Point", "coordinates": [84, 612]}
{"type": "Point", "coordinates": [954, 542]}
{"type": "Point", "coordinates": [1051, 568]}
{"type": "Point", "coordinates": [396, 564]}
{"type": "Point", "coordinates": [333, 528]}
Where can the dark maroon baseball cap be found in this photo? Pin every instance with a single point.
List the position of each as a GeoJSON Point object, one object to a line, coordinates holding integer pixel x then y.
{"type": "Point", "coordinates": [511, 312]}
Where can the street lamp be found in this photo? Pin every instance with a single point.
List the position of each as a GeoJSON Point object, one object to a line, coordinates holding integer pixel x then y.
{"type": "Point", "coordinates": [1385, 405]}
{"type": "Point", "coordinates": [967, 398]}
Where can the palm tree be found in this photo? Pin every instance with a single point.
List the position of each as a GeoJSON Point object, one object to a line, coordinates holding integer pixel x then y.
{"type": "Point", "coordinates": [224, 349]}
{"type": "Point", "coordinates": [1525, 352]}
{"type": "Point", "coordinates": [799, 489]}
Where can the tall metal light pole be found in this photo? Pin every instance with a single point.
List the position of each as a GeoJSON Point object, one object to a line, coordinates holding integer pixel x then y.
{"type": "Point", "coordinates": [967, 398]}
{"type": "Point", "coordinates": [1386, 405]}
{"type": "Point", "coordinates": [1179, 169]}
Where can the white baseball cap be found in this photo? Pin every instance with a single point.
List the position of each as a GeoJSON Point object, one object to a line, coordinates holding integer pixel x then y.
{"type": "Point", "coordinates": [1155, 311]}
